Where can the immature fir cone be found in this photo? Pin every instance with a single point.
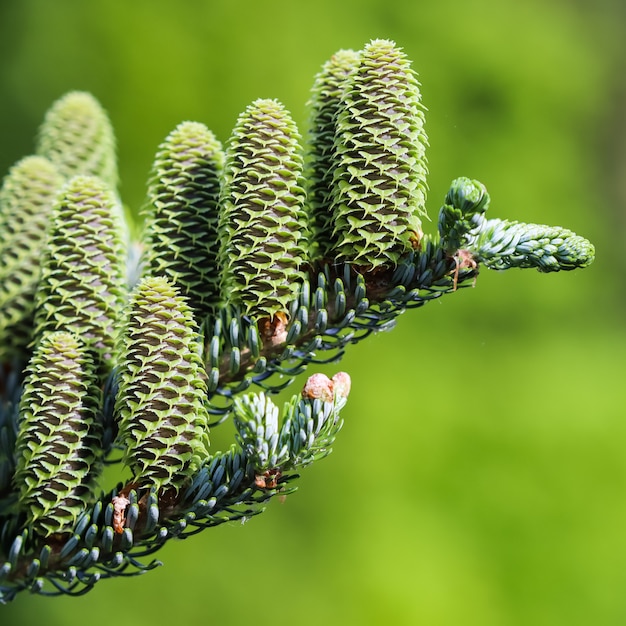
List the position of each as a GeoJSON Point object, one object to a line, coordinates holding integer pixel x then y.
{"type": "Point", "coordinates": [327, 90]}
{"type": "Point", "coordinates": [76, 135]}
{"type": "Point", "coordinates": [182, 219]}
{"type": "Point", "coordinates": [26, 198]}
{"type": "Point", "coordinates": [58, 445]}
{"type": "Point", "coordinates": [379, 183]}
{"type": "Point", "coordinates": [263, 225]}
{"type": "Point", "coordinates": [162, 393]}
{"type": "Point", "coordinates": [82, 283]}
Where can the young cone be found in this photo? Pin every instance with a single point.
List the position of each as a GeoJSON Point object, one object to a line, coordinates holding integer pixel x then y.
{"type": "Point", "coordinates": [59, 437]}
{"type": "Point", "coordinates": [82, 283]}
{"type": "Point", "coordinates": [263, 225]}
{"type": "Point", "coordinates": [181, 220]}
{"type": "Point", "coordinates": [327, 91]}
{"type": "Point", "coordinates": [26, 198]}
{"type": "Point", "coordinates": [76, 135]}
{"type": "Point", "coordinates": [379, 183]}
{"type": "Point", "coordinates": [162, 393]}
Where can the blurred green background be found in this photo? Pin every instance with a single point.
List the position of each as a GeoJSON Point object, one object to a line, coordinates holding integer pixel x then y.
{"type": "Point", "coordinates": [480, 477]}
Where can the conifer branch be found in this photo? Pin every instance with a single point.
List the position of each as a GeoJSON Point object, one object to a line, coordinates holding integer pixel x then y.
{"type": "Point", "coordinates": [246, 281]}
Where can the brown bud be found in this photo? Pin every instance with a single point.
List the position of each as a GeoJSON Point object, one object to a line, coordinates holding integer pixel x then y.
{"type": "Point", "coordinates": [342, 383]}
{"type": "Point", "coordinates": [318, 386]}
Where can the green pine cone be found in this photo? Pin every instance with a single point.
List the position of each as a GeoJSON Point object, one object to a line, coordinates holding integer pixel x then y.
{"type": "Point", "coordinates": [26, 198]}
{"type": "Point", "coordinates": [76, 135]}
{"type": "Point", "coordinates": [327, 90]}
{"type": "Point", "coordinates": [263, 223]}
{"type": "Point", "coordinates": [82, 283]}
{"type": "Point", "coordinates": [162, 393]}
{"type": "Point", "coordinates": [502, 245]}
{"type": "Point", "coordinates": [58, 445]}
{"type": "Point", "coordinates": [182, 217]}
{"type": "Point", "coordinates": [379, 185]}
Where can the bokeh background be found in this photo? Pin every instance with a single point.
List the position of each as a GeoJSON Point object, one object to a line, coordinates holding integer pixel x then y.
{"type": "Point", "coordinates": [480, 477]}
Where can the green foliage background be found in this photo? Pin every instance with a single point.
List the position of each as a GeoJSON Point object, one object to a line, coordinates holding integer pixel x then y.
{"type": "Point", "coordinates": [480, 477]}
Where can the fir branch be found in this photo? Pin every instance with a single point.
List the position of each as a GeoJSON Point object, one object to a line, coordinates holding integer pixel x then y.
{"type": "Point", "coordinates": [503, 244]}
{"type": "Point", "coordinates": [339, 306]}
{"type": "Point", "coordinates": [125, 526]}
{"type": "Point", "coordinates": [336, 307]}
{"type": "Point", "coordinates": [276, 314]}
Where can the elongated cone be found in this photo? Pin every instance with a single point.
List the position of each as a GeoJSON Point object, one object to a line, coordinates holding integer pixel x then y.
{"type": "Point", "coordinates": [325, 103]}
{"type": "Point", "coordinates": [76, 135]}
{"type": "Point", "coordinates": [82, 285]}
{"type": "Point", "coordinates": [26, 199]}
{"type": "Point", "coordinates": [58, 445]}
{"type": "Point", "coordinates": [181, 222]}
{"type": "Point", "coordinates": [379, 183]}
{"type": "Point", "coordinates": [263, 224]}
{"type": "Point", "coordinates": [162, 393]}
